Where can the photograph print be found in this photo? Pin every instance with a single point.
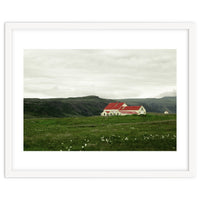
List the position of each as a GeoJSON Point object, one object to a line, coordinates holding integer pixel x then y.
{"type": "Point", "coordinates": [100, 100]}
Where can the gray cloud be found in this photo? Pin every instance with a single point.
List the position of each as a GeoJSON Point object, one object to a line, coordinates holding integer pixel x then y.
{"type": "Point", "coordinates": [167, 94]}
{"type": "Point", "coordinates": [105, 73]}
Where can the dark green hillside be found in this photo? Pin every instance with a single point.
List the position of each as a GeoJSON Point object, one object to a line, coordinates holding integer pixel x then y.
{"type": "Point", "coordinates": [88, 106]}
{"type": "Point", "coordinates": [64, 107]}
{"type": "Point", "coordinates": [153, 104]}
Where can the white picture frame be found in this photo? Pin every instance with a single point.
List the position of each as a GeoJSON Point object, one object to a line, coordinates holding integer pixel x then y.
{"type": "Point", "coordinates": [10, 38]}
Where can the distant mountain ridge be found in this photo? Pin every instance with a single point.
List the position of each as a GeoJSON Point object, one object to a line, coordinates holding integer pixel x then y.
{"type": "Point", "coordinates": [89, 106]}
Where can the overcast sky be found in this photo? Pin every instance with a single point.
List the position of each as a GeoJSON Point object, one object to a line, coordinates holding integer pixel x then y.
{"type": "Point", "coordinates": [105, 73]}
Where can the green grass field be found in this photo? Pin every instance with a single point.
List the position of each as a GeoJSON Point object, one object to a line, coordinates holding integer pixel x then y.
{"type": "Point", "coordinates": [153, 132]}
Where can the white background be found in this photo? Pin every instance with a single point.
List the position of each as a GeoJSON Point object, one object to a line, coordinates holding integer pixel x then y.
{"type": "Point", "coordinates": [92, 10]}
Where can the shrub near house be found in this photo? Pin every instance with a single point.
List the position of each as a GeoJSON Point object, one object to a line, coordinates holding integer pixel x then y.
{"type": "Point", "coordinates": [120, 108]}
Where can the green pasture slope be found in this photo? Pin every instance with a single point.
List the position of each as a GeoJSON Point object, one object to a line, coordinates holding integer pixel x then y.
{"type": "Point", "coordinates": [153, 132]}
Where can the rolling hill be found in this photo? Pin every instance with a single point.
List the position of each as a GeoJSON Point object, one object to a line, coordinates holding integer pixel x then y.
{"type": "Point", "coordinates": [89, 106]}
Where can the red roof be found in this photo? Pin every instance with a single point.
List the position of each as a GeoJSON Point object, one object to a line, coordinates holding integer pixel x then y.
{"type": "Point", "coordinates": [131, 108]}
{"type": "Point", "coordinates": [113, 106]}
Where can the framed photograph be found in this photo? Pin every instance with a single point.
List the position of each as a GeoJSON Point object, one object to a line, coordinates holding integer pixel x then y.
{"type": "Point", "coordinates": [99, 99]}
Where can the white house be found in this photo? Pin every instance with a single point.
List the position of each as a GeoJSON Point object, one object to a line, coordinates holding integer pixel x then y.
{"type": "Point", "coordinates": [120, 108]}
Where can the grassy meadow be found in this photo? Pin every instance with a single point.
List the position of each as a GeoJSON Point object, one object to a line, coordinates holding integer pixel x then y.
{"type": "Point", "coordinates": [153, 132]}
